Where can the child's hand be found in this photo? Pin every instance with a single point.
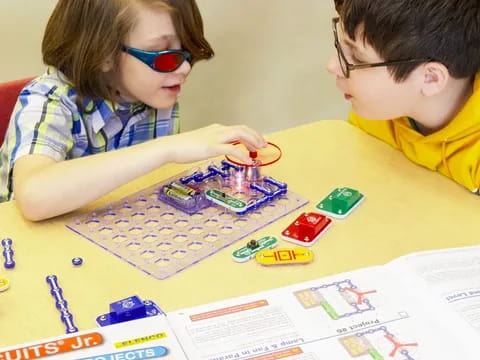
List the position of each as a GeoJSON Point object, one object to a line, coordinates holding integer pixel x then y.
{"type": "Point", "coordinates": [212, 141]}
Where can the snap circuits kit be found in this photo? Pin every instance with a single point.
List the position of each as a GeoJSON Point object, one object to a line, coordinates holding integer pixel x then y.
{"type": "Point", "coordinates": [172, 225]}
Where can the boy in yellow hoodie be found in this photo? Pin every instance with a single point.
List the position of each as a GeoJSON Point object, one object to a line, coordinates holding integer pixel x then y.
{"type": "Point", "coordinates": [410, 68]}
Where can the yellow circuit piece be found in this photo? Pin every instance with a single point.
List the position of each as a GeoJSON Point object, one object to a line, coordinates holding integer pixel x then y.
{"type": "Point", "coordinates": [4, 284]}
{"type": "Point", "coordinates": [284, 256]}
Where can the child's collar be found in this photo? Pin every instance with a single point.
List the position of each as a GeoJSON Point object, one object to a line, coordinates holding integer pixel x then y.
{"type": "Point", "coordinates": [108, 107]}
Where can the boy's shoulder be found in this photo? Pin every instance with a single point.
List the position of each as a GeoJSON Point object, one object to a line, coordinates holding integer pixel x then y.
{"type": "Point", "coordinates": [51, 84]}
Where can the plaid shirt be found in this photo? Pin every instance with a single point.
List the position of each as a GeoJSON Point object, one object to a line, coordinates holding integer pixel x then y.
{"type": "Point", "coordinates": [47, 121]}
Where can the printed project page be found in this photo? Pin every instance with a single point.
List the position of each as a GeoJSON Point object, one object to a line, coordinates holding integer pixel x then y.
{"type": "Point", "coordinates": [149, 338]}
{"type": "Point", "coordinates": [359, 315]}
{"type": "Point", "coordinates": [450, 277]}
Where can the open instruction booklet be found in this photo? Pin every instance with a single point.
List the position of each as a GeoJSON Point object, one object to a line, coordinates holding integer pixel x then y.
{"type": "Point", "coordinates": [421, 306]}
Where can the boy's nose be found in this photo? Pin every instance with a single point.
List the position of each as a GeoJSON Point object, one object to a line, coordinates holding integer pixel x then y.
{"type": "Point", "coordinates": [333, 65]}
{"type": "Point", "coordinates": [184, 69]}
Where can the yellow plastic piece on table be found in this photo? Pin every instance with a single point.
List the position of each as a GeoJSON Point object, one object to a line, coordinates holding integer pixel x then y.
{"type": "Point", "coordinates": [285, 256]}
{"type": "Point", "coordinates": [4, 284]}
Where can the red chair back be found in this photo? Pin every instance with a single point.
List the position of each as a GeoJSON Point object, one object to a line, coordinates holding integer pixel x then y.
{"type": "Point", "coordinates": [9, 92]}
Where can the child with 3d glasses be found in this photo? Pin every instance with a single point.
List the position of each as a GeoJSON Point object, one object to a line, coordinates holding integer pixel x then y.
{"type": "Point", "coordinates": [410, 69]}
{"type": "Point", "coordinates": [115, 70]}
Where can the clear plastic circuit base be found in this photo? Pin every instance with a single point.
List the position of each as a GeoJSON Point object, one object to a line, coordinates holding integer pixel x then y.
{"type": "Point", "coordinates": [162, 240]}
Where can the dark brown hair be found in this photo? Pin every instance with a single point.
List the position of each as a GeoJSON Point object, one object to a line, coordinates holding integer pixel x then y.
{"type": "Point", "coordinates": [82, 35]}
{"type": "Point", "coordinates": [447, 31]}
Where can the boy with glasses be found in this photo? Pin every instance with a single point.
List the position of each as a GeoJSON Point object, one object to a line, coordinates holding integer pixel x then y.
{"type": "Point", "coordinates": [410, 69]}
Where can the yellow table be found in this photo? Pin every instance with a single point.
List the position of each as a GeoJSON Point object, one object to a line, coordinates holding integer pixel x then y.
{"type": "Point", "coordinates": [407, 208]}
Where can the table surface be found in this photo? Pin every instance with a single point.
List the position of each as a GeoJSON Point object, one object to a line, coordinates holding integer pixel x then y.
{"type": "Point", "coordinates": [407, 208]}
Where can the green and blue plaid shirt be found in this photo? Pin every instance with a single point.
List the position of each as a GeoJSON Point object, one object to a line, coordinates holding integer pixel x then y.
{"type": "Point", "coordinates": [47, 121]}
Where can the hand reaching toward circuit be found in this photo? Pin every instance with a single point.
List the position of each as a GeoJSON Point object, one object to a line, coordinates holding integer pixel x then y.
{"type": "Point", "coordinates": [212, 141]}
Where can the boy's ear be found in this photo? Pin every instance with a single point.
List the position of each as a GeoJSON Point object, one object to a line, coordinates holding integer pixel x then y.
{"type": "Point", "coordinates": [435, 78]}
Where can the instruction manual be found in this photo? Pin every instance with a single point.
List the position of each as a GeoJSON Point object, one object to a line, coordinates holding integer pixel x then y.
{"type": "Point", "coordinates": [421, 306]}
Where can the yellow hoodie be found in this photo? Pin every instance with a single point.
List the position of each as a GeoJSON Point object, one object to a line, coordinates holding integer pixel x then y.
{"type": "Point", "coordinates": [453, 151]}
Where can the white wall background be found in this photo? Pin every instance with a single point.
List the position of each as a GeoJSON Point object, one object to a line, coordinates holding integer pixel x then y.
{"type": "Point", "coordinates": [269, 70]}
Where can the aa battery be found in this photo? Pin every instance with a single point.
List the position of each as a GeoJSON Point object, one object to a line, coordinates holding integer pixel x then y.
{"type": "Point", "coordinates": [179, 197]}
{"type": "Point", "coordinates": [185, 189]}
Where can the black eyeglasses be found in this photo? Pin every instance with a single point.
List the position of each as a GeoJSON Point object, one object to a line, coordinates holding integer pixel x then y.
{"type": "Point", "coordinates": [347, 67]}
{"type": "Point", "coordinates": [161, 61]}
